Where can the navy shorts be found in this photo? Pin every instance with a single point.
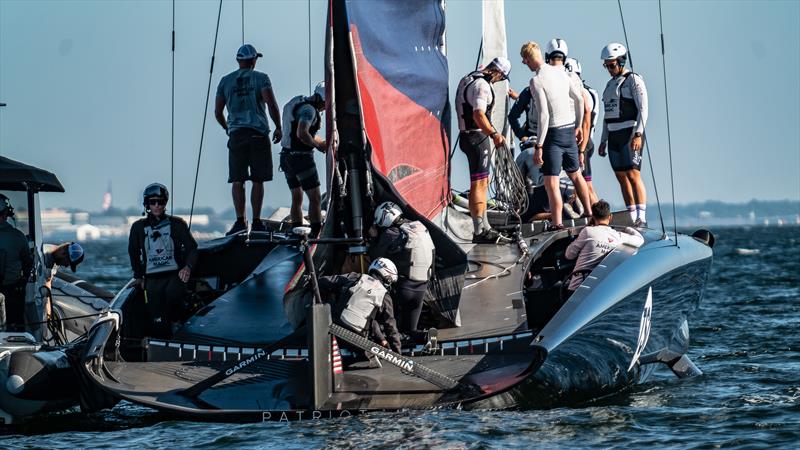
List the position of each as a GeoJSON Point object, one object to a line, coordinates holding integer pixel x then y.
{"type": "Point", "coordinates": [619, 151]}
{"type": "Point", "coordinates": [249, 156]}
{"type": "Point", "coordinates": [478, 147]}
{"type": "Point", "coordinates": [560, 150]}
{"type": "Point", "coordinates": [587, 160]}
{"type": "Point", "coordinates": [300, 169]}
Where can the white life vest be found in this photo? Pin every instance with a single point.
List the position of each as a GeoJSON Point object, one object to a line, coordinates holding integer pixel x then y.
{"type": "Point", "coordinates": [159, 248]}
{"type": "Point", "coordinates": [618, 99]}
{"type": "Point", "coordinates": [365, 297]}
{"type": "Point", "coordinates": [419, 250]}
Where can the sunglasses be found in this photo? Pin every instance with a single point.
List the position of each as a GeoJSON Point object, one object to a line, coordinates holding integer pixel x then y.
{"type": "Point", "coordinates": [611, 65]}
{"type": "Point", "coordinates": [157, 201]}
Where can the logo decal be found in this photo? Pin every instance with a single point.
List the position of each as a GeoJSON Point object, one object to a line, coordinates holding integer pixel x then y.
{"type": "Point", "coordinates": [644, 328]}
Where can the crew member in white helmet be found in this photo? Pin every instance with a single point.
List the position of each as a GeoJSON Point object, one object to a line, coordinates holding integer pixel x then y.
{"type": "Point", "coordinates": [474, 105]}
{"type": "Point", "coordinates": [302, 120]}
{"type": "Point", "coordinates": [409, 245]}
{"type": "Point", "coordinates": [560, 126]}
{"type": "Point", "coordinates": [162, 253]}
{"type": "Point", "coordinates": [361, 302]}
{"type": "Point", "coordinates": [593, 98]}
{"type": "Point", "coordinates": [625, 104]}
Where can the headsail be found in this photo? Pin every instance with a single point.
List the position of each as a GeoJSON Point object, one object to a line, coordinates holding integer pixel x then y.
{"type": "Point", "coordinates": [403, 85]}
{"type": "Point", "coordinates": [493, 44]}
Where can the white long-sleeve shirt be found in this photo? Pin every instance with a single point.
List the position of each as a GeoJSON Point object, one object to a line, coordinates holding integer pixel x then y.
{"type": "Point", "coordinates": [630, 87]}
{"type": "Point", "coordinates": [552, 86]}
{"type": "Point", "coordinates": [594, 243]}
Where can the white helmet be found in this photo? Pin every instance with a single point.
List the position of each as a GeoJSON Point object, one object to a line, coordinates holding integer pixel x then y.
{"type": "Point", "coordinates": [320, 90]}
{"type": "Point", "coordinates": [572, 65]}
{"type": "Point", "coordinates": [556, 47]}
{"type": "Point", "coordinates": [386, 214]}
{"type": "Point", "coordinates": [502, 64]}
{"type": "Point", "coordinates": [613, 51]}
{"type": "Point", "coordinates": [385, 269]}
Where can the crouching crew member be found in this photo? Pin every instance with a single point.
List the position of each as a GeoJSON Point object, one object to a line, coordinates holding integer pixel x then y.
{"type": "Point", "coordinates": [362, 302]}
{"type": "Point", "coordinates": [16, 263]}
{"type": "Point", "coordinates": [162, 252]}
{"type": "Point", "coordinates": [302, 119]}
{"type": "Point", "coordinates": [68, 254]}
{"type": "Point", "coordinates": [409, 244]}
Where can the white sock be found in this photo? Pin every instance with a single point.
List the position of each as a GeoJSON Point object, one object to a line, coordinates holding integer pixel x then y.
{"type": "Point", "coordinates": [632, 212]}
{"type": "Point", "coordinates": [477, 225]}
{"type": "Point", "coordinates": [641, 212]}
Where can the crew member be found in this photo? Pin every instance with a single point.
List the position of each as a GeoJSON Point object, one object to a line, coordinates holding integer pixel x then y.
{"type": "Point", "coordinates": [474, 104]}
{"type": "Point", "coordinates": [163, 253]}
{"type": "Point", "coordinates": [593, 98]}
{"type": "Point", "coordinates": [362, 302]}
{"type": "Point", "coordinates": [625, 105]}
{"type": "Point", "coordinates": [244, 93]}
{"type": "Point", "coordinates": [556, 144]}
{"type": "Point", "coordinates": [557, 55]}
{"type": "Point", "coordinates": [16, 263]}
{"type": "Point", "coordinates": [595, 242]}
{"type": "Point", "coordinates": [523, 130]}
{"type": "Point", "coordinates": [68, 254]}
{"type": "Point", "coordinates": [408, 243]}
{"type": "Point", "coordinates": [301, 117]}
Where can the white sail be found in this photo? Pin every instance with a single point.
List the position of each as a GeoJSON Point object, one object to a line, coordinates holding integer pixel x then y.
{"type": "Point", "coordinates": [493, 44]}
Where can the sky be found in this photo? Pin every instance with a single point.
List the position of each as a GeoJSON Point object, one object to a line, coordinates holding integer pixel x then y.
{"type": "Point", "coordinates": [87, 85]}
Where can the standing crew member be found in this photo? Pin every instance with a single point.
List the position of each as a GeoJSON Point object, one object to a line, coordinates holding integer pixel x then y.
{"type": "Point", "coordinates": [595, 242]}
{"type": "Point", "coordinates": [162, 253]}
{"type": "Point", "coordinates": [362, 302]}
{"type": "Point", "coordinates": [409, 245]}
{"type": "Point", "coordinates": [474, 104]}
{"type": "Point", "coordinates": [556, 143]}
{"type": "Point", "coordinates": [16, 263]}
{"type": "Point", "coordinates": [302, 119]}
{"type": "Point", "coordinates": [244, 93]}
{"type": "Point", "coordinates": [625, 104]}
{"type": "Point", "coordinates": [593, 98]}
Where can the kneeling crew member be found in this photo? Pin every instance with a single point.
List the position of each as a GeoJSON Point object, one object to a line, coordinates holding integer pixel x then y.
{"type": "Point", "coordinates": [16, 263]}
{"type": "Point", "coordinates": [302, 119]}
{"type": "Point", "coordinates": [162, 252]}
{"type": "Point", "coordinates": [408, 243]}
{"type": "Point", "coordinates": [595, 242]}
{"type": "Point", "coordinates": [362, 302]}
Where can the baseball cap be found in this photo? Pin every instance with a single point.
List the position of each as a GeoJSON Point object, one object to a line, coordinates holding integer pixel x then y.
{"type": "Point", "coordinates": [75, 255]}
{"type": "Point", "coordinates": [503, 65]}
{"type": "Point", "coordinates": [247, 51]}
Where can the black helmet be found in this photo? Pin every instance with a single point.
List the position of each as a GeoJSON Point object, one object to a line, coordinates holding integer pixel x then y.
{"type": "Point", "coordinates": [5, 207]}
{"type": "Point", "coordinates": [154, 190]}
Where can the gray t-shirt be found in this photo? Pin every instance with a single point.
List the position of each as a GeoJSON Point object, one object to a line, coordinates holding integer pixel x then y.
{"type": "Point", "coordinates": [241, 91]}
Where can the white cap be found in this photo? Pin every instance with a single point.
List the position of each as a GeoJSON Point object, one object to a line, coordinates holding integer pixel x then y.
{"type": "Point", "coordinates": [502, 64]}
{"type": "Point", "coordinates": [572, 65]}
{"type": "Point", "coordinates": [613, 50]}
{"type": "Point", "coordinates": [554, 47]}
{"type": "Point", "coordinates": [320, 90]}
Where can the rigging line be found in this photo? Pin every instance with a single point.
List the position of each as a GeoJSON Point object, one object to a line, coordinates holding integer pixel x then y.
{"type": "Point", "coordinates": [646, 142]}
{"type": "Point", "coordinates": [669, 134]}
{"type": "Point", "coordinates": [309, 50]}
{"type": "Point", "coordinates": [205, 115]}
{"type": "Point", "coordinates": [172, 118]}
{"type": "Point", "coordinates": [242, 22]}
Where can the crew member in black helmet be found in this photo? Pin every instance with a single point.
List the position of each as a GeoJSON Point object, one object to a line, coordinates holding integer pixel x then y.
{"type": "Point", "coordinates": [162, 252]}
{"type": "Point", "coordinates": [302, 120]}
{"type": "Point", "coordinates": [16, 263]}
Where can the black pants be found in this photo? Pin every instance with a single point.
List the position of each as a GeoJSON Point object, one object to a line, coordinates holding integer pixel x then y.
{"type": "Point", "coordinates": [15, 305]}
{"type": "Point", "coordinates": [165, 298]}
{"type": "Point", "coordinates": [409, 296]}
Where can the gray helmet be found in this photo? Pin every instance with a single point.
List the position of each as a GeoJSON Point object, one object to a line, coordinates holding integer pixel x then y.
{"type": "Point", "coordinates": [154, 190]}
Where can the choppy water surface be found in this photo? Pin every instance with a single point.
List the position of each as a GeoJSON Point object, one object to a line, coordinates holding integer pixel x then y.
{"type": "Point", "coordinates": [745, 338]}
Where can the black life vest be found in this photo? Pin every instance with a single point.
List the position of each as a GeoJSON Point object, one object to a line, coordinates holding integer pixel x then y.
{"type": "Point", "coordinates": [626, 110]}
{"type": "Point", "coordinates": [296, 143]}
{"type": "Point", "coordinates": [466, 108]}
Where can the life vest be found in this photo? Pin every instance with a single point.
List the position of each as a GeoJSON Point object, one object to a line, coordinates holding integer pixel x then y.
{"type": "Point", "coordinates": [595, 104]}
{"type": "Point", "coordinates": [619, 108]}
{"type": "Point", "coordinates": [365, 297]}
{"type": "Point", "coordinates": [290, 140]}
{"type": "Point", "coordinates": [159, 248]}
{"type": "Point", "coordinates": [418, 252]}
{"type": "Point", "coordinates": [464, 108]}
